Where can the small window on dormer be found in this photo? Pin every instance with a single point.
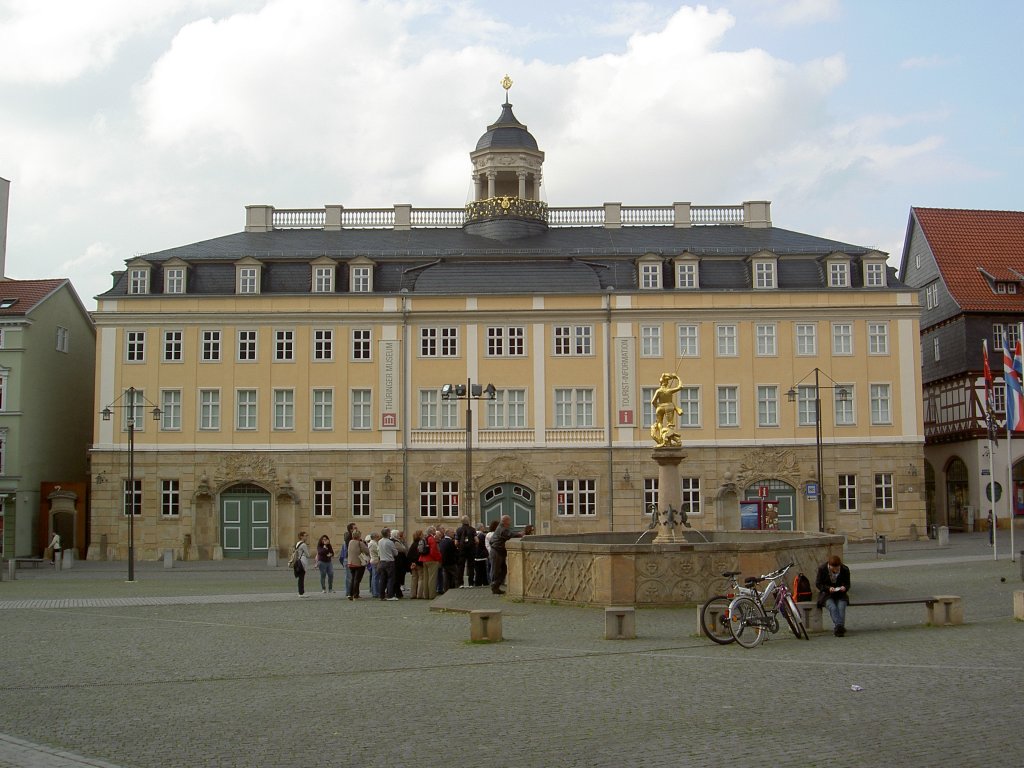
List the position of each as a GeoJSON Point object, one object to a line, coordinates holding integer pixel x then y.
{"type": "Point", "coordinates": [174, 280]}
{"type": "Point", "coordinates": [360, 279]}
{"type": "Point", "coordinates": [874, 274]}
{"type": "Point", "coordinates": [138, 280]}
{"type": "Point", "coordinates": [323, 279]}
{"type": "Point", "coordinates": [764, 275]}
{"type": "Point", "coordinates": [1000, 287]}
{"type": "Point", "coordinates": [248, 280]}
{"type": "Point", "coordinates": [650, 275]}
{"type": "Point", "coordinates": [838, 274]}
{"type": "Point", "coordinates": [686, 275]}
{"type": "Point", "coordinates": [1011, 287]}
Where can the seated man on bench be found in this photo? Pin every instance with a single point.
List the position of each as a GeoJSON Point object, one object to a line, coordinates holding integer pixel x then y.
{"type": "Point", "coordinates": [833, 583]}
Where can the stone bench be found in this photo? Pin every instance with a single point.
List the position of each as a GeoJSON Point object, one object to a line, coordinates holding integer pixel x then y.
{"type": "Point", "coordinates": [13, 563]}
{"type": "Point", "coordinates": [950, 610]}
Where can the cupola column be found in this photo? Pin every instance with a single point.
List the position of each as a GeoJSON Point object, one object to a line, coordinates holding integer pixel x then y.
{"type": "Point", "coordinates": [522, 184]}
{"type": "Point", "coordinates": [477, 187]}
{"type": "Point", "coordinates": [491, 178]}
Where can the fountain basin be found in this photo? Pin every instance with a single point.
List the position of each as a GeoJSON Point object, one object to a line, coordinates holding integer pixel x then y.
{"type": "Point", "coordinates": [602, 569]}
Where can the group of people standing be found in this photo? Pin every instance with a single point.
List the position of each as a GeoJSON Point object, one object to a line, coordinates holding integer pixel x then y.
{"type": "Point", "coordinates": [437, 559]}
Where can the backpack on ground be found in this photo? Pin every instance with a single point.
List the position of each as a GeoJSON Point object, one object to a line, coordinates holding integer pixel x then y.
{"type": "Point", "coordinates": [802, 589]}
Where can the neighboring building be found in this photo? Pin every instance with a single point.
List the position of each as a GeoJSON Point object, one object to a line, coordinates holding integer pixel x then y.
{"type": "Point", "coordinates": [968, 267]}
{"type": "Point", "coordinates": [47, 369]}
{"type": "Point", "coordinates": [298, 369]}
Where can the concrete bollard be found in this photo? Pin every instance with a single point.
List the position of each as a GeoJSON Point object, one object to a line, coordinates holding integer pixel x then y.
{"type": "Point", "coordinates": [485, 626]}
{"type": "Point", "coordinates": [949, 610]}
{"type": "Point", "coordinates": [12, 570]}
{"type": "Point", "coordinates": [272, 557]}
{"type": "Point", "coordinates": [57, 564]}
{"type": "Point", "coordinates": [1018, 605]}
{"type": "Point", "coordinates": [67, 558]}
{"type": "Point", "coordinates": [943, 535]}
{"type": "Point", "coordinates": [168, 558]}
{"type": "Point", "coordinates": [811, 614]}
{"type": "Point", "coordinates": [619, 623]}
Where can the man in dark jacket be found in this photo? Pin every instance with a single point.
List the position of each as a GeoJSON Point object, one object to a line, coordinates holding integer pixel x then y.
{"type": "Point", "coordinates": [465, 540]}
{"type": "Point", "coordinates": [833, 583]}
{"type": "Point", "coordinates": [449, 562]}
{"type": "Point", "coordinates": [501, 535]}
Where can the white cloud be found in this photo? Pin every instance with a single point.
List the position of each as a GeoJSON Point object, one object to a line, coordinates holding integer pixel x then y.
{"type": "Point", "coordinates": [792, 13]}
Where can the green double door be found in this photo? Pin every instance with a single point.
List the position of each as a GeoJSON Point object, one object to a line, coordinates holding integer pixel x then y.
{"type": "Point", "coordinates": [245, 522]}
{"type": "Point", "coordinates": [512, 499]}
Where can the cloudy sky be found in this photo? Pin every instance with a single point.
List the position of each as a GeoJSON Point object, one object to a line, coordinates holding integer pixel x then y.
{"type": "Point", "coordinates": [128, 127]}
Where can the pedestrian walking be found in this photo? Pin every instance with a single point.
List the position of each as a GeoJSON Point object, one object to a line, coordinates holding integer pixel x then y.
{"type": "Point", "coordinates": [301, 562]}
{"type": "Point", "coordinates": [358, 559]}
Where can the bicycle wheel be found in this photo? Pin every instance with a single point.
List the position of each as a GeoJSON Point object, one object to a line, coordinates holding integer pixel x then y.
{"type": "Point", "coordinates": [791, 613]}
{"type": "Point", "coordinates": [714, 620]}
{"type": "Point", "coordinates": [746, 622]}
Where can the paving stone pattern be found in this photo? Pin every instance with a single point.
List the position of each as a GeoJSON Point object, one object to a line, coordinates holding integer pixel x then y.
{"type": "Point", "coordinates": [236, 670]}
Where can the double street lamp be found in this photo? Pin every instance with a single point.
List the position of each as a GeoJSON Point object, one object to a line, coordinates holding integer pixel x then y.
{"type": "Point", "coordinates": [132, 399]}
{"type": "Point", "coordinates": [842, 395]}
{"type": "Point", "coordinates": [469, 392]}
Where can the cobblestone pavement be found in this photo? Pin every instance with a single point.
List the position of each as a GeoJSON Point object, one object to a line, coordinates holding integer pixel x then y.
{"type": "Point", "coordinates": [221, 664]}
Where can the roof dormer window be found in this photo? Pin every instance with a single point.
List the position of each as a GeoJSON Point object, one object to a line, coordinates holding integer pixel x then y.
{"type": "Point", "coordinates": [323, 276]}
{"type": "Point", "coordinates": [650, 273]}
{"type": "Point", "coordinates": [1006, 287]}
{"type": "Point", "coordinates": [360, 276]}
{"type": "Point", "coordinates": [765, 272]}
{"type": "Point", "coordinates": [174, 279]}
{"type": "Point", "coordinates": [837, 270]}
{"type": "Point", "coordinates": [687, 273]}
{"type": "Point", "coordinates": [248, 273]}
{"type": "Point", "coordinates": [138, 280]}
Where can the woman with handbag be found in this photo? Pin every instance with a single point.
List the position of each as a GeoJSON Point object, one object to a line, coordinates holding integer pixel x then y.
{"type": "Point", "coordinates": [301, 562]}
{"type": "Point", "coordinates": [358, 558]}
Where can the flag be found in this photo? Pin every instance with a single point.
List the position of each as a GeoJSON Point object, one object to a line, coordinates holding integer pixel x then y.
{"type": "Point", "coordinates": [1014, 389]}
{"type": "Point", "coordinates": [990, 421]}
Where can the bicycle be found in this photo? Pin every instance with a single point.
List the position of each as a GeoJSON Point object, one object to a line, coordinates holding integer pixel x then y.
{"type": "Point", "coordinates": [714, 614]}
{"type": "Point", "coordinates": [753, 616]}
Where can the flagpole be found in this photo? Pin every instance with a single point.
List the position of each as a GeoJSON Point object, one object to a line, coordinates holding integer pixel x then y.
{"type": "Point", "coordinates": [990, 433]}
{"type": "Point", "coordinates": [992, 494]}
{"type": "Point", "coordinates": [1009, 447]}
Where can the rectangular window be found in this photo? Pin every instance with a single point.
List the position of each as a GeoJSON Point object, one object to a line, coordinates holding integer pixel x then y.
{"type": "Point", "coordinates": [506, 342]}
{"type": "Point", "coordinates": [806, 406]}
{"type": "Point", "coordinates": [764, 274]}
{"type": "Point", "coordinates": [878, 338]}
{"type": "Point", "coordinates": [360, 498]}
{"type": "Point", "coordinates": [322, 501]}
{"type": "Point", "coordinates": [936, 353]}
{"type": "Point", "coordinates": [726, 335]}
{"type": "Point", "coordinates": [284, 409]}
{"type": "Point", "coordinates": [767, 405]}
{"type": "Point", "coordinates": [132, 498]}
{"type": "Point", "coordinates": [765, 339]}
{"type": "Point", "coordinates": [884, 492]}
{"type": "Point", "coordinates": [844, 410]}
{"type": "Point", "coordinates": [573, 340]}
{"type": "Point", "coordinates": [874, 275]}
{"type": "Point", "coordinates": [881, 412]}
{"type": "Point", "coordinates": [429, 411]}
{"type": "Point", "coordinates": [576, 498]}
{"type": "Point", "coordinates": [647, 407]}
{"type": "Point", "coordinates": [650, 276]}
{"type": "Point", "coordinates": [360, 279]}
{"type": "Point", "coordinates": [574, 408]}
{"type": "Point", "coordinates": [323, 344]}
{"type": "Point", "coordinates": [209, 409]}
{"type": "Point", "coordinates": [362, 418]}
{"type": "Point", "coordinates": [806, 339]}
{"type": "Point", "coordinates": [246, 345]}
{"type": "Point", "coordinates": [284, 346]}
{"type": "Point", "coordinates": [174, 280]}
{"type": "Point", "coordinates": [138, 281]}
{"type": "Point", "coordinates": [690, 501]}
{"type": "Point", "coordinates": [687, 341]}
{"type": "Point", "coordinates": [847, 493]}
{"type": "Point", "coordinates": [211, 347]}
{"type": "Point", "coordinates": [170, 498]}
{"type": "Point", "coordinates": [170, 410]}
{"type": "Point", "coordinates": [323, 280]}
{"type": "Point", "coordinates": [689, 404]}
{"type": "Point", "coordinates": [361, 349]}
{"type": "Point", "coordinates": [135, 346]}
{"type": "Point", "coordinates": [439, 497]}
{"type": "Point", "coordinates": [245, 416]}
{"type": "Point", "coordinates": [173, 347]}
{"type": "Point", "coordinates": [686, 275]}
{"type": "Point", "coordinates": [439, 342]}
{"type": "Point", "coordinates": [650, 341]}
{"type": "Point", "coordinates": [838, 274]}
{"type": "Point", "coordinates": [248, 280]}
{"type": "Point", "coordinates": [63, 339]}
{"type": "Point", "coordinates": [842, 339]}
{"type": "Point", "coordinates": [650, 494]}
{"type": "Point", "coordinates": [323, 409]}
{"type": "Point", "coordinates": [507, 409]}
{"type": "Point", "coordinates": [728, 407]}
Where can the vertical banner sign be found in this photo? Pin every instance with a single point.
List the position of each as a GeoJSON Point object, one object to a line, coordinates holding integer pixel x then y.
{"type": "Point", "coordinates": [390, 353]}
{"type": "Point", "coordinates": [625, 380]}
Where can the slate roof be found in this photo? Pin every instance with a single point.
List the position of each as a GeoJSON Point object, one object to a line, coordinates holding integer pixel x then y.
{"type": "Point", "coordinates": [507, 133]}
{"type": "Point", "coordinates": [448, 260]}
{"type": "Point", "coordinates": [967, 244]}
{"type": "Point", "coordinates": [27, 295]}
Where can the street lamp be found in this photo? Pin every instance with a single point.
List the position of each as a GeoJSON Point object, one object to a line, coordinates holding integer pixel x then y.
{"type": "Point", "coordinates": [842, 394]}
{"type": "Point", "coordinates": [469, 392]}
{"type": "Point", "coordinates": [129, 398]}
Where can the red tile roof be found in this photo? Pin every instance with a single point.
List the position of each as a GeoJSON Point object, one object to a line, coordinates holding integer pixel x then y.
{"type": "Point", "coordinates": [28, 294]}
{"type": "Point", "coordinates": [966, 242]}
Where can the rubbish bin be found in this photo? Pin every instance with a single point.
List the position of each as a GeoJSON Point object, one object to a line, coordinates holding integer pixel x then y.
{"type": "Point", "coordinates": [880, 544]}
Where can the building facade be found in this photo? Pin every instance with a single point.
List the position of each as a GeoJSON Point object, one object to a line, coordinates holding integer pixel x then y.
{"type": "Point", "coordinates": [47, 359]}
{"type": "Point", "coordinates": [968, 268]}
{"type": "Point", "coordinates": [299, 371]}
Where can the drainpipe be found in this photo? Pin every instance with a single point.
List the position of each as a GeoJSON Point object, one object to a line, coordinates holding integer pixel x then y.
{"type": "Point", "coordinates": [611, 405]}
{"type": "Point", "coordinates": [405, 417]}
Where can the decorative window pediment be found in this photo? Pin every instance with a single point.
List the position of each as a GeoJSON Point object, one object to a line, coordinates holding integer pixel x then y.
{"type": "Point", "coordinates": [837, 270]}
{"type": "Point", "coordinates": [649, 272]}
{"type": "Point", "coordinates": [175, 273]}
{"type": "Point", "coordinates": [323, 275]}
{"type": "Point", "coordinates": [248, 275]}
{"type": "Point", "coordinates": [764, 271]}
{"type": "Point", "coordinates": [139, 271]}
{"type": "Point", "coordinates": [360, 275]}
{"type": "Point", "coordinates": [687, 271]}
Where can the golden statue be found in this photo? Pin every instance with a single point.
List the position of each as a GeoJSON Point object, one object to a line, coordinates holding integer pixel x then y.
{"type": "Point", "coordinates": [663, 430]}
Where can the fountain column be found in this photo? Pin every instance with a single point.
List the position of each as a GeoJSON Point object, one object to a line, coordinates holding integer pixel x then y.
{"type": "Point", "coordinates": [670, 497]}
